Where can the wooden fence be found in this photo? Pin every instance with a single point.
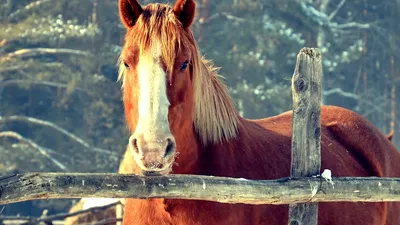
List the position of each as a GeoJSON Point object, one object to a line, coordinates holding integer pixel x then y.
{"type": "Point", "coordinates": [303, 190]}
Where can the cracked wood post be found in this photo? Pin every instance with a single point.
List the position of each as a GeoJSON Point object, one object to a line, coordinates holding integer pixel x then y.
{"type": "Point", "coordinates": [306, 136]}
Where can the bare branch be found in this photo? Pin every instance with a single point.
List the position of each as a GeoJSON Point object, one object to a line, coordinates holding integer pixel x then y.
{"type": "Point", "coordinates": [42, 51]}
{"type": "Point", "coordinates": [61, 216]}
{"type": "Point", "coordinates": [30, 186]}
{"type": "Point", "coordinates": [27, 8]}
{"type": "Point", "coordinates": [372, 106]}
{"type": "Point", "coordinates": [219, 15]}
{"type": "Point", "coordinates": [39, 82]}
{"type": "Point", "coordinates": [209, 19]}
{"type": "Point", "coordinates": [232, 17]}
{"type": "Point", "coordinates": [56, 127]}
{"type": "Point", "coordinates": [341, 92]}
{"type": "Point", "coordinates": [23, 222]}
{"type": "Point", "coordinates": [42, 150]}
{"type": "Point", "coordinates": [323, 20]}
{"type": "Point", "coordinates": [350, 25]}
{"type": "Point", "coordinates": [333, 14]}
{"type": "Point", "coordinates": [26, 66]}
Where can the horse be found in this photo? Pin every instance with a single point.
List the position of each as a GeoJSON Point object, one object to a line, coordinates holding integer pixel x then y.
{"type": "Point", "coordinates": [115, 212]}
{"type": "Point", "coordinates": [183, 121]}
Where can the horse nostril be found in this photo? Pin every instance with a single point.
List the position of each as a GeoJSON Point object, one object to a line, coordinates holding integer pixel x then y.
{"type": "Point", "coordinates": [134, 145]}
{"type": "Point", "coordinates": [170, 147]}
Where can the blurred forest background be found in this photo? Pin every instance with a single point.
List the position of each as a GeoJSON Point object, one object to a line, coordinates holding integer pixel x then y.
{"type": "Point", "coordinates": [60, 104]}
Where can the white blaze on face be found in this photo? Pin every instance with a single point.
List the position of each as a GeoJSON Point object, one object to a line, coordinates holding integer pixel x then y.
{"type": "Point", "coordinates": [153, 101]}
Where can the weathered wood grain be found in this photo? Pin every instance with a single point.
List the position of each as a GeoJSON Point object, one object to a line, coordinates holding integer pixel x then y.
{"type": "Point", "coordinates": [29, 186]}
{"type": "Point", "coordinates": [306, 137]}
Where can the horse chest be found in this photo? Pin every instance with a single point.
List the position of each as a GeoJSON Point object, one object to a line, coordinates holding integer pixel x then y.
{"type": "Point", "coordinates": [210, 213]}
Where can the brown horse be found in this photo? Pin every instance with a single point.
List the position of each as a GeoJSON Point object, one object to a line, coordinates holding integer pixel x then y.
{"type": "Point", "coordinates": [183, 121]}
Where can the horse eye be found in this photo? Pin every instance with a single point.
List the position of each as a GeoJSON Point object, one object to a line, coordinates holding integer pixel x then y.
{"type": "Point", "coordinates": [126, 65]}
{"type": "Point", "coordinates": [184, 65]}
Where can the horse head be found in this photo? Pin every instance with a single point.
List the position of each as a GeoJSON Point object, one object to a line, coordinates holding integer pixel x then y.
{"type": "Point", "coordinates": [156, 68]}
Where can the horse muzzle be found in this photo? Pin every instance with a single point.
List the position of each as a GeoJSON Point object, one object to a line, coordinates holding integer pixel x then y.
{"type": "Point", "coordinates": [154, 157]}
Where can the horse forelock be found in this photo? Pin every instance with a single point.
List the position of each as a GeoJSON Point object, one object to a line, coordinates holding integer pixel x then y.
{"type": "Point", "coordinates": [157, 24]}
{"type": "Point", "coordinates": [214, 118]}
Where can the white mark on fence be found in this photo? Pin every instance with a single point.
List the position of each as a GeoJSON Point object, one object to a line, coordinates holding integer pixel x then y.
{"type": "Point", "coordinates": [170, 182]}
{"type": "Point", "coordinates": [379, 184]}
{"type": "Point", "coordinates": [83, 182]}
{"type": "Point", "coordinates": [327, 175]}
{"type": "Point", "coordinates": [204, 184]}
{"type": "Point", "coordinates": [143, 181]}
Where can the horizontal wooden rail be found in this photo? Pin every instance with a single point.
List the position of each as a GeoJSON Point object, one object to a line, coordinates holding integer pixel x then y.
{"type": "Point", "coordinates": [29, 186]}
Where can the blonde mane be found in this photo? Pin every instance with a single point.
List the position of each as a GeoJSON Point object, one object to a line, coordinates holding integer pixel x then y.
{"type": "Point", "coordinates": [215, 118]}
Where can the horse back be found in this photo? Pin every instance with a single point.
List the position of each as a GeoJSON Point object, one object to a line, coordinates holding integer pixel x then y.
{"type": "Point", "coordinates": [345, 137]}
{"type": "Point", "coordinates": [350, 146]}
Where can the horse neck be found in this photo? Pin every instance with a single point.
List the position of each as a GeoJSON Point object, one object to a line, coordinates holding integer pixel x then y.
{"type": "Point", "coordinates": [195, 157]}
{"type": "Point", "coordinates": [215, 119]}
{"type": "Point", "coordinates": [188, 148]}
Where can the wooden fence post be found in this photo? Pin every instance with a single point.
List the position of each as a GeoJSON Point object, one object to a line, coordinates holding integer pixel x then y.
{"type": "Point", "coordinates": [306, 136]}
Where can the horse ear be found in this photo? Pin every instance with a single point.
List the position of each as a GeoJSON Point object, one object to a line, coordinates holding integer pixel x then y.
{"type": "Point", "coordinates": [129, 12]}
{"type": "Point", "coordinates": [185, 10]}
